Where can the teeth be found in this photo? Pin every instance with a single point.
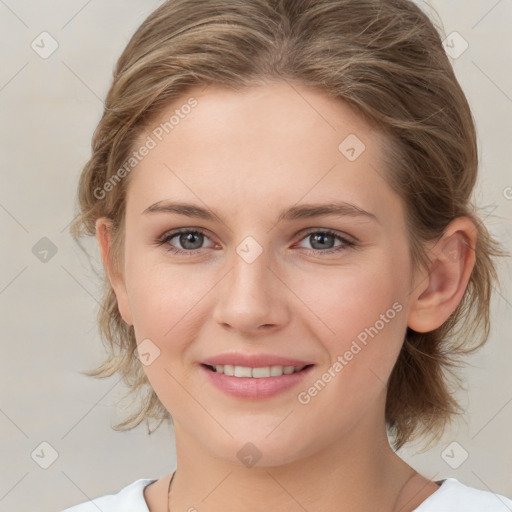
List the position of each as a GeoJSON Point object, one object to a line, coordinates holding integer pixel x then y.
{"type": "Point", "coordinates": [243, 371]}
{"type": "Point", "coordinates": [256, 373]}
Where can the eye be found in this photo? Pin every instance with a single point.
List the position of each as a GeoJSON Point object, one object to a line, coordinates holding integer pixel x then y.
{"type": "Point", "coordinates": [323, 241]}
{"type": "Point", "coordinates": [190, 240]}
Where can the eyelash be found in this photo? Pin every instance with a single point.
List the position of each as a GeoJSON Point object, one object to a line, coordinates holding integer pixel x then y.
{"type": "Point", "coordinates": [167, 237]}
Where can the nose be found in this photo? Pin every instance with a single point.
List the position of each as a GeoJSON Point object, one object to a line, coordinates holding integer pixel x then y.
{"type": "Point", "coordinates": [252, 298]}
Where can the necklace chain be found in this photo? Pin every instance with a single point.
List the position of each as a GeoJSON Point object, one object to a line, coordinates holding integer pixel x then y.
{"type": "Point", "coordinates": [169, 493]}
{"type": "Point", "coordinates": [172, 478]}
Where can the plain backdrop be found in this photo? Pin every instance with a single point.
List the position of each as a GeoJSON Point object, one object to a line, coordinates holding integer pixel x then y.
{"type": "Point", "coordinates": [57, 447]}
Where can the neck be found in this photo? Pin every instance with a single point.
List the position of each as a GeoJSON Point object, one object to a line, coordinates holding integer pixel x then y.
{"type": "Point", "coordinates": [359, 471]}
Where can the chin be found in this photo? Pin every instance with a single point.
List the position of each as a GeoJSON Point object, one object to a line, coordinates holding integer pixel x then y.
{"type": "Point", "coordinates": [260, 449]}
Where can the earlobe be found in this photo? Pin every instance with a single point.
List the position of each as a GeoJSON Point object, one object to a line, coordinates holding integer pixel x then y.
{"type": "Point", "coordinates": [438, 292]}
{"type": "Point", "coordinates": [104, 238]}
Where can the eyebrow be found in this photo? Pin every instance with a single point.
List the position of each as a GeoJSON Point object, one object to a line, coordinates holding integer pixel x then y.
{"type": "Point", "coordinates": [294, 213]}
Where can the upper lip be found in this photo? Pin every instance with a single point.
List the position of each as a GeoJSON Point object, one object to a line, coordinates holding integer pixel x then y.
{"type": "Point", "coordinates": [253, 360]}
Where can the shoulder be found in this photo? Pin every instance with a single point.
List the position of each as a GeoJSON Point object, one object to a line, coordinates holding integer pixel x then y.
{"type": "Point", "coordinates": [130, 497]}
{"type": "Point", "coordinates": [454, 496]}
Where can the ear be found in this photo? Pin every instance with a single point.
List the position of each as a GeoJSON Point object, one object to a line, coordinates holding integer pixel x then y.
{"type": "Point", "coordinates": [104, 238]}
{"type": "Point", "coordinates": [438, 291]}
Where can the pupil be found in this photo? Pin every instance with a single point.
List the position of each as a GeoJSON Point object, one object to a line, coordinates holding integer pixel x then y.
{"type": "Point", "coordinates": [321, 239]}
{"type": "Point", "coordinates": [187, 238]}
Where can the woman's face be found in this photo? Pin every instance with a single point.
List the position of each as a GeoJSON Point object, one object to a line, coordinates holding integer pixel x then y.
{"type": "Point", "coordinates": [291, 252]}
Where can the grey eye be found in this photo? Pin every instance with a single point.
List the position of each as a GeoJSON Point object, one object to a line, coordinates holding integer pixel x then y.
{"type": "Point", "coordinates": [190, 240]}
{"type": "Point", "coordinates": [322, 240]}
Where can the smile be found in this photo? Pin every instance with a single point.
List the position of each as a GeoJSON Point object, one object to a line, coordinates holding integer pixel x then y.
{"type": "Point", "coordinates": [255, 382]}
{"type": "Point", "coordinates": [255, 373]}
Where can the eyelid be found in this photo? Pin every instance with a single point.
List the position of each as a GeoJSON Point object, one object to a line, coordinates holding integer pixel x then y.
{"type": "Point", "coordinates": [169, 235]}
{"type": "Point", "coordinates": [338, 234]}
{"type": "Point", "coordinates": [347, 241]}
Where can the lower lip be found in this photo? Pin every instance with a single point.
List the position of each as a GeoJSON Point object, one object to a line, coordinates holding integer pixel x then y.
{"type": "Point", "coordinates": [251, 388]}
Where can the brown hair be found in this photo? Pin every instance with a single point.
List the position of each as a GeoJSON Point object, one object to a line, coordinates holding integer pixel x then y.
{"type": "Point", "coordinates": [384, 58]}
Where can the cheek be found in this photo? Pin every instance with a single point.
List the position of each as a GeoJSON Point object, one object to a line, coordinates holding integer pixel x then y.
{"type": "Point", "coordinates": [361, 313]}
{"type": "Point", "coordinates": [365, 310]}
{"type": "Point", "coordinates": [168, 303]}
{"type": "Point", "coordinates": [353, 298]}
{"type": "Point", "coordinates": [163, 299]}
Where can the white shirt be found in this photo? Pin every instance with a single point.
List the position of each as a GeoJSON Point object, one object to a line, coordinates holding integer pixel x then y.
{"type": "Point", "coordinates": [452, 496]}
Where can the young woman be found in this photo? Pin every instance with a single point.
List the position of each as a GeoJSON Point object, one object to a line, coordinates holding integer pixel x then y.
{"type": "Point", "coordinates": [280, 190]}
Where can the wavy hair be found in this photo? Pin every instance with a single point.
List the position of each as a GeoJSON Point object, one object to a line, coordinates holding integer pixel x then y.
{"type": "Point", "coordinates": [384, 58]}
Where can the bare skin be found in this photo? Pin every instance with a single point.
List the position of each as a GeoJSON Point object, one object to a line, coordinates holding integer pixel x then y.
{"type": "Point", "coordinates": [248, 156]}
{"type": "Point", "coordinates": [415, 491]}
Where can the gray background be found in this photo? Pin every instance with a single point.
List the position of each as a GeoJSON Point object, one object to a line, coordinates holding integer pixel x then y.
{"type": "Point", "coordinates": [50, 107]}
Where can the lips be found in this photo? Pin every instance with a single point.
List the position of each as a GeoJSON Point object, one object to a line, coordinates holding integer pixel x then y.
{"type": "Point", "coordinates": [254, 360]}
{"type": "Point", "coordinates": [255, 376]}
{"type": "Point", "coordinates": [257, 372]}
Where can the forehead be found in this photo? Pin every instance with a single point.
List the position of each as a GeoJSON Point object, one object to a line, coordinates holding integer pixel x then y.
{"type": "Point", "coordinates": [259, 146]}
